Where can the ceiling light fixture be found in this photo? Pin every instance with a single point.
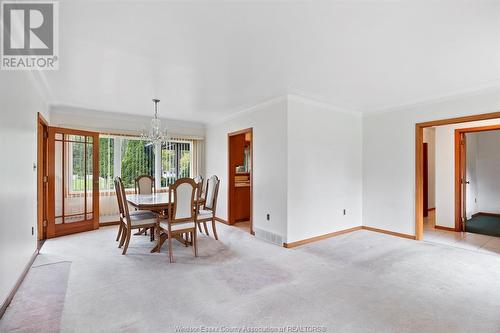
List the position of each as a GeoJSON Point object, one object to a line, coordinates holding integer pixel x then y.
{"type": "Point", "coordinates": [156, 134]}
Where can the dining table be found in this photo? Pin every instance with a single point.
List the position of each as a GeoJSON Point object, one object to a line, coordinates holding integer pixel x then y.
{"type": "Point", "coordinates": [158, 203]}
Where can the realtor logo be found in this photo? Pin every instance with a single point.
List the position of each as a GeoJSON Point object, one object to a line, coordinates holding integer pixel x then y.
{"type": "Point", "coordinates": [29, 35]}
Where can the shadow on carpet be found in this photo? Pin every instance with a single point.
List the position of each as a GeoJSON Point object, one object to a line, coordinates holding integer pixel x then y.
{"type": "Point", "coordinates": [39, 302]}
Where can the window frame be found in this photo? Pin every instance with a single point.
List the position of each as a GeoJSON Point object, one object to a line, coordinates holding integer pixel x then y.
{"type": "Point", "coordinates": [177, 141]}
{"type": "Point", "coordinates": [157, 162]}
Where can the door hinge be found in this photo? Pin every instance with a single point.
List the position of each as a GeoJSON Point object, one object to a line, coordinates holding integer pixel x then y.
{"type": "Point", "coordinates": [45, 179]}
{"type": "Point", "coordinates": [44, 223]}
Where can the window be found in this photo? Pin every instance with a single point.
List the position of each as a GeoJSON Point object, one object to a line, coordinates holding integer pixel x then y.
{"type": "Point", "coordinates": [129, 157]}
{"type": "Point", "coordinates": [175, 161]}
{"type": "Point", "coordinates": [137, 158]}
{"type": "Point", "coordinates": [106, 163]}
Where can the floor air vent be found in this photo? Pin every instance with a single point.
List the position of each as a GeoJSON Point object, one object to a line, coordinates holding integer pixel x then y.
{"type": "Point", "coordinates": [268, 236]}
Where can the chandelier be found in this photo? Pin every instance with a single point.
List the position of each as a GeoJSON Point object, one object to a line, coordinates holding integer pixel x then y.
{"type": "Point", "coordinates": [155, 134]}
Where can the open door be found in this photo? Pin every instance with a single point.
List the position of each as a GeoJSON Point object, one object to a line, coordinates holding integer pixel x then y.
{"type": "Point", "coordinates": [73, 181]}
{"type": "Point", "coordinates": [463, 179]}
{"type": "Point", "coordinates": [42, 178]}
{"type": "Point", "coordinates": [425, 169]}
{"type": "Point", "coordinates": [240, 184]}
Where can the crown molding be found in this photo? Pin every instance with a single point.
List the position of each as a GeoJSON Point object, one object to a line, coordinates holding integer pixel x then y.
{"type": "Point", "coordinates": [238, 112]}
{"type": "Point", "coordinates": [494, 88]}
{"type": "Point", "coordinates": [313, 102]}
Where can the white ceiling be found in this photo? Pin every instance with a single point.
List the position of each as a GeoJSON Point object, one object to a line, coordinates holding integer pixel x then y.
{"type": "Point", "coordinates": [206, 59]}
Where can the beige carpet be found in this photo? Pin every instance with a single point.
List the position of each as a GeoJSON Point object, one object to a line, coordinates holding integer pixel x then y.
{"type": "Point", "coordinates": [358, 282]}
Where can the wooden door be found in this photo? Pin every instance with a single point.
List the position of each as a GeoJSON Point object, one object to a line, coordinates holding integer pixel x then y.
{"type": "Point", "coordinates": [463, 179]}
{"type": "Point", "coordinates": [73, 181]}
{"type": "Point", "coordinates": [42, 178]}
{"type": "Point", "coordinates": [426, 179]}
{"type": "Point", "coordinates": [240, 184]}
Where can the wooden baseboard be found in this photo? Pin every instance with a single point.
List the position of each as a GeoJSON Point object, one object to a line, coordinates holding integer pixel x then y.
{"type": "Point", "coordinates": [221, 220]}
{"type": "Point", "coordinates": [20, 280]}
{"type": "Point", "coordinates": [317, 238]}
{"type": "Point", "coordinates": [105, 224]}
{"type": "Point", "coordinates": [387, 232]}
{"type": "Point", "coordinates": [444, 228]}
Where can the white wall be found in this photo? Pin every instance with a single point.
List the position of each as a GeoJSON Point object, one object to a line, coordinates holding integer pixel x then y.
{"type": "Point", "coordinates": [19, 103]}
{"type": "Point", "coordinates": [430, 139]}
{"type": "Point", "coordinates": [389, 157]}
{"type": "Point", "coordinates": [488, 171]}
{"type": "Point", "coordinates": [445, 170]}
{"type": "Point", "coordinates": [268, 121]}
{"type": "Point", "coordinates": [307, 166]}
{"type": "Point", "coordinates": [324, 169]}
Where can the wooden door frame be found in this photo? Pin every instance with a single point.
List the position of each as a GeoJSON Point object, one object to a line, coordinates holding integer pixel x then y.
{"type": "Point", "coordinates": [419, 182]}
{"type": "Point", "coordinates": [460, 168]}
{"type": "Point", "coordinates": [75, 226]}
{"type": "Point", "coordinates": [42, 170]}
{"type": "Point", "coordinates": [230, 174]}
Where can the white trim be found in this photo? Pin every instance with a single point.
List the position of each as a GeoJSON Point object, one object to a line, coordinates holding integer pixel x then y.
{"type": "Point", "coordinates": [248, 109]}
{"type": "Point", "coordinates": [307, 100]}
{"type": "Point", "coordinates": [322, 102]}
{"type": "Point", "coordinates": [436, 100]}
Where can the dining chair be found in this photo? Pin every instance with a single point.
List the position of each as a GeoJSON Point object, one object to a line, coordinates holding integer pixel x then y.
{"type": "Point", "coordinates": [199, 180]}
{"type": "Point", "coordinates": [199, 191]}
{"type": "Point", "coordinates": [133, 214]}
{"type": "Point", "coordinates": [207, 213]}
{"type": "Point", "coordinates": [181, 215]}
{"type": "Point", "coordinates": [144, 184]}
{"type": "Point", "coordinates": [129, 222]}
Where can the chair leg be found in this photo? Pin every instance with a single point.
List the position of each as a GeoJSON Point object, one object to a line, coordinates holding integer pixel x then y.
{"type": "Point", "coordinates": [214, 230]}
{"type": "Point", "coordinates": [123, 237]}
{"type": "Point", "coordinates": [119, 232]}
{"type": "Point", "coordinates": [125, 247]}
{"type": "Point", "coordinates": [170, 254]}
{"type": "Point", "coordinates": [195, 242]}
{"type": "Point", "coordinates": [151, 234]}
{"type": "Point", "coordinates": [199, 226]}
{"type": "Point", "coordinates": [158, 237]}
{"type": "Point", "coordinates": [205, 227]}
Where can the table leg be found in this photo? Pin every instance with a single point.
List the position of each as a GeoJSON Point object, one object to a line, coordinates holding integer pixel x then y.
{"type": "Point", "coordinates": [162, 238]}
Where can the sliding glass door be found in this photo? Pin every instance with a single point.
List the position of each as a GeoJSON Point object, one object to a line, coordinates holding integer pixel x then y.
{"type": "Point", "coordinates": [73, 181]}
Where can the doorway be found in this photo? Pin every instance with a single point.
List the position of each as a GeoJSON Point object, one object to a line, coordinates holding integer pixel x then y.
{"type": "Point", "coordinates": [42, 178]}
{"type": "Point", "coordinates": [73, 181]}
{"type": "Point", "coordinates": [419, 166]}
{"type": "Point", "coordinates": [477, 163]}
{"type": "Point", "coordinates": [240, 175]}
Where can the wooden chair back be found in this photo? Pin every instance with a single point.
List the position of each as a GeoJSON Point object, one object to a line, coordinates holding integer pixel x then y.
{"type": "Point", "coordinates": [182, 193]}
{"type": "Point", "coordinates": [144, 184]}
{"type": "Point", "coordinates": [199, 190]}
{"type": "Point", "coordinates": [212, 193]}
{"type": "Point", "coordinates": [122, 201]}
